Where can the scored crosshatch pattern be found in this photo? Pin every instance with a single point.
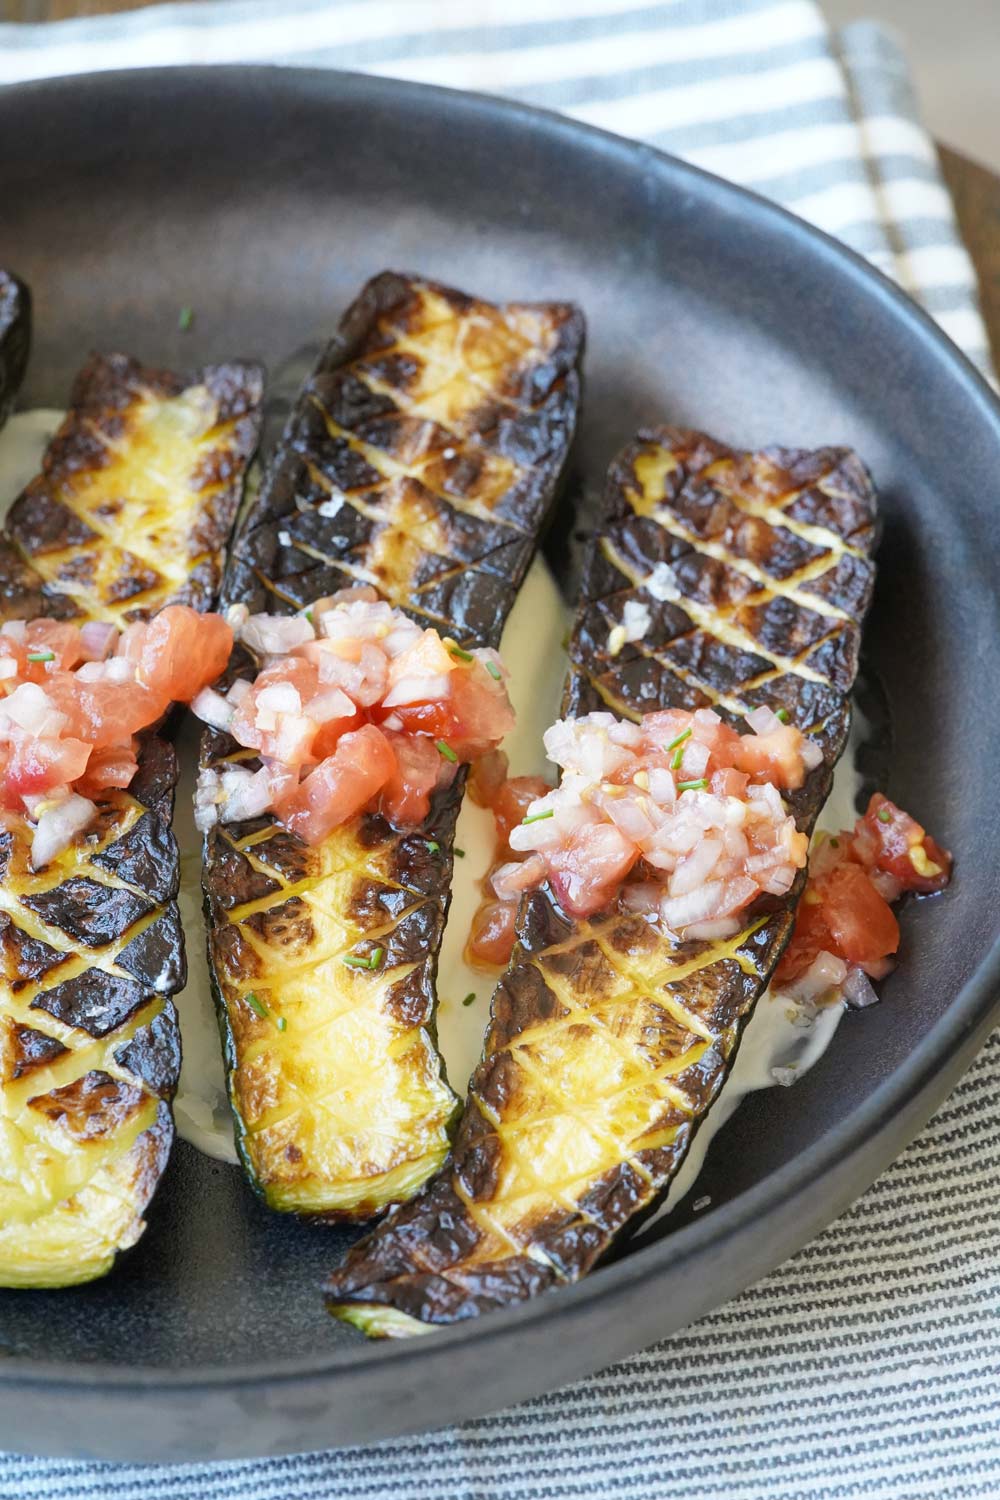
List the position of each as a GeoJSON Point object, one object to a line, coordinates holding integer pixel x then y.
{"type": "Point", "coordinates": [609, 1039]}
{"type": "Point", "coordinates": [137, 494]}
{"type": "Point", "coordinates": [421, 459]}
{"type": "Point", "coordinates": [89, 1053]}
{"type": "Point", "coordinates": [138, 490]}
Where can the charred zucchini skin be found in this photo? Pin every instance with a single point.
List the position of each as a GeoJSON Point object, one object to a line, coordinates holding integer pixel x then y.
{"type": "Point", "coordinates": [422, 457]}
{"type": "Point", "coordinates": [607, 1043]}
{"type": "Point", "coordinates": [15, 339]}
{"type": "Point", "coordinates": [137, 496]}
{"type": "Point", "coordinates": [92, 948]}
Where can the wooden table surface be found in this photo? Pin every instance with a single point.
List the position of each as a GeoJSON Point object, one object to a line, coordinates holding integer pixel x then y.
{"type": "Point", "coordinates": [976, 191]}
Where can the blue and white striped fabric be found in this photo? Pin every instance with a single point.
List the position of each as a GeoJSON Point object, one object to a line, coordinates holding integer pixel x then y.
{"type": "Point", "coordinates": [869, 1365]}
{"type": "Point", "coordinates": [757, 90]}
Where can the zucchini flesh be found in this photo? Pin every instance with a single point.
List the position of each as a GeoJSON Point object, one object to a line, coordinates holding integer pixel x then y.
{"type": "Point", "coordinates": [422, 458]}
{"type": "Point", "coordinates": [139, 487]}
{"type": "Point", "coordinates": [608, 1042]}
{"type": "Point", "coordinates": [15, 339]}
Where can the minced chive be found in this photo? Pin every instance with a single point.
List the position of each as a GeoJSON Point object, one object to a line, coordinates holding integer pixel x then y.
{"type": "Point", "coordinates": [355, 961]}
{"type": "Point", "coordinates": [884, 815]}
{"type": "Point", "coordinates": [493, 670]}
{"type": "Point", "coordinates": [459, 853]}
{"type": "Point", "coordinates": [782, 714]}
{"type": "Point", "coordinates": [309, 617]}
{"type": "Point", "coordinates": [692, 786]}
{"type": "Point", "coordinates": [41, 656]}
{"type": "Point", "coordinates": [376, 957]}
{"type": "Point", "coordinates": [258, 1008]}
{"type": "Point", "coordinates": [459, 654]}
{"type": "Point", "coordinates": [540, 817]}
{"type": "Point", "coordinates": [433, 846]}
{"type": "Point", "coordinates": [281, 1023]}
{"type": "Point", "coordinates": [676, 758]}
{"type": "Point", "coordinates": [446, 750]}
{"type": "Point", "coordinates": [679, 740]}
{"type": "Point", "coordinates": [185, 319]}
{"type": "Point", "coordinates": [470, 998]}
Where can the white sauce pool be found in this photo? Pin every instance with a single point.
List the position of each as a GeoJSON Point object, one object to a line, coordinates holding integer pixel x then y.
{"type": "Point", "coordinates": [780, 1035]}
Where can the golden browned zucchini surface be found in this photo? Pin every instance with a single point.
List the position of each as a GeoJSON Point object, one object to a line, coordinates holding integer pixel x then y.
{"type": "Point", "coordinates": [422, 458]}
{"type": "Point", "coordinates": [15, 338]}
{"type": "Point", "coordinates": [137, 494]}
{"type": "Point", "coordinates": [142, 479]}
{"type": "Point", "coordinates": [609, 1041]}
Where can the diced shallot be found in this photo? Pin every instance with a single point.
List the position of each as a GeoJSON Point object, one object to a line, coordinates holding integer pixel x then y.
{"type": "Point", "coordinates": [275, 635]}
{"type": "Point", "coordinates": [212, 708]}
{"type": "Point", "coordinates": [57, 827]}
{"type": "Point", "coordinates": [98, 639]}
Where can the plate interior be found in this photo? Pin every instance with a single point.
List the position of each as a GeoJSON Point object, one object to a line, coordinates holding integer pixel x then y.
{"type": "Point", "coordinates": [263, 200]}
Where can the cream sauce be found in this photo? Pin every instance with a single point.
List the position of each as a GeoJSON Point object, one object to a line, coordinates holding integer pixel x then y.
{"type": "Point", "coordinates": [780, 1035]}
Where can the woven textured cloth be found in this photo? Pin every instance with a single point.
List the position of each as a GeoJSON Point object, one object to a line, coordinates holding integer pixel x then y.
{"type": "Point", "coordinates": [868, 1365]}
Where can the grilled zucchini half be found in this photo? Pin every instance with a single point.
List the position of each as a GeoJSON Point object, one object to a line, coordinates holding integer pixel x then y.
{"type": "Point", "coordinates": [15, 339]}
{"type": "Point", "coordinates": [422, 458]}
{"type": "Point", "coordinates": [138, 490]}
{"type": "Point", "coordinates": [608, 1042]}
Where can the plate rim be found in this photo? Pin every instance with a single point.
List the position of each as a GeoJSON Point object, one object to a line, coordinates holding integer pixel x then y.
{"type": "Point", "coordinates": [919, 1084]}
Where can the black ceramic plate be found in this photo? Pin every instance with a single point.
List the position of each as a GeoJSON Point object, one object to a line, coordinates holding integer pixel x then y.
{"type": "Point", "coordinates": [263, 199]}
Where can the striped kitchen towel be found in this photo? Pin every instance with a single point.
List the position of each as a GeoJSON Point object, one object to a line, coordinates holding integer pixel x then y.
{"type": "Point", "coordinates": [869, 1365]}
{"type": "Point", "coordinates": [759, 91]}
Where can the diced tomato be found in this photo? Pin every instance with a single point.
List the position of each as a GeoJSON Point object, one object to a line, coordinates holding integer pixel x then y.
{"type": "Point", "coordinates": [862, 923]}
{"type": "Point", "coordinates": [280, 734]}
{"type": "Point", "coordinates": [111, 767]}
{"type": "Point", "coordinates": [340, 786]}
{"type": "Point", "coordinates": [774, 757]}
{"type": "Point", "coordinates": [45, 636]}
{"type": "Point", "coordinates": [473, 717]}
{"type": "Point", "coordinates": [327, 736]}
{"type": "Point", "coordinates": [182, 651]}
{"type": "Point", "coordinates": [103, 713]}
{"type": "Point", "coordinates": [730, 783]}
{"type": "Point", "coordinates": [511, 803]}
{"type": "Point", "coordinates": [901, 847]}
{"type": "Point", "coordinates": [487, 776]}
{"type": "Point", "coordinates": [588, 868]}
{"type": "Point", "coordinates": [36, 766]}
{"type": "Point", "coordinates": [492, 935]}
{"type": "Point", "coordinates": [405, 798]}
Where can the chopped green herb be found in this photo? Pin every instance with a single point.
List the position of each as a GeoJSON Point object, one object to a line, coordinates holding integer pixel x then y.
{"type": "Point", "coordinates": [309, 617]}
{"type": "Point", "coordinates": [679, 740]}
{"type": "Point", "coordinates": [782, 714]}
{"type": "Point", "coordinates": [281, 1023]}
{"type": "Point", "coordinates": [470, 998]}
{"type": "Point", "coordinates": [549, 812]}
{"type": "Point", "coordinates": [257, 1006]}
{"type": "Point", "coordinates": [41, 656]}
{"type": "Point", "coordinates": [459, 654]}
{"type": "Point", "coordinates": [493, 670]}
{"type": "Point", "coordinates": [676, 758]}
{"type": "Point", "coordinates": [459, 853]}
{"type": "Point", "coordinates": [692, 786]}
{"type": "Point", "coordinates": [356, 961]}
{"type": "Point", "coordinates": [433, 847]}
{"type": "Point", "coordinates": [446, 750]}
{"type": "Point", "coordinates": [185, 319]}
{"type": "Point", "coordinates": [377, 955]}
{"type": "Point", "coordinates": [884, 815]}
{"type": "Point", "coordinates": [834, 843]}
